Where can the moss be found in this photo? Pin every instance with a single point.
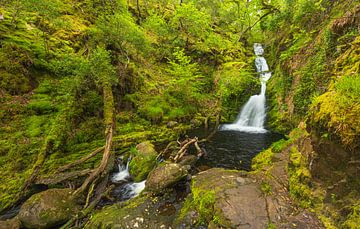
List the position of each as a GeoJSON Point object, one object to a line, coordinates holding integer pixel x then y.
{"type": "Point", "coordinates": [205, 189]}
{"type": "Point", "coordinates": [262, 160]}
{"type": "Point", "coordinates": [266, 188]}
{"type": "Point", "coordinates": [202, 201]}
{"type": "Point", "coordinates": [299, 179]}
{"type": "Point", "coordinates": [265, 158]}
{"type": "Point", "coordinates": [141, 164]}
{"type": "Point", "coordinates": [353, 219]}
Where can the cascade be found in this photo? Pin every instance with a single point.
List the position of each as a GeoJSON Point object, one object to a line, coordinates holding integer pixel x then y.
{"type": "Point", "coordinates": [252, 115]}
{"type": "Point", "coordinates": [123, 173]}
{"type": "Point", "coordinates": [127, 189]}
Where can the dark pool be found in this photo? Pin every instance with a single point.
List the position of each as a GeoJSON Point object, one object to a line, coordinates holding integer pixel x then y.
{"type": "Point", "coordinates": [233, 149]}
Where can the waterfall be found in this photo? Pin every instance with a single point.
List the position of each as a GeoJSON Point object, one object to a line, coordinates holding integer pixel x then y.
{"type": "Point", "coordinates": [123, 173]}
{"type": "Point", "coordinates": [127, 189]}
{"type": "Point", "coordinates": [252, 115]}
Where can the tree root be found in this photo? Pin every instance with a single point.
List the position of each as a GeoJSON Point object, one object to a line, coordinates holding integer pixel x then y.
{"type": "Point", "coordinates": [61, 177]}
{"type": "Point", "coordinates": [80, 161]}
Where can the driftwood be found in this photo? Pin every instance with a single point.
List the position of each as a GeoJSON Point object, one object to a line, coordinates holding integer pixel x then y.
{"type": "Point", "coordinates": [185, 146]}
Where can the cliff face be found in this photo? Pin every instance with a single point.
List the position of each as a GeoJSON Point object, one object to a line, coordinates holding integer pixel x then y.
{"type": "Point", "coordinates": [317, 81]}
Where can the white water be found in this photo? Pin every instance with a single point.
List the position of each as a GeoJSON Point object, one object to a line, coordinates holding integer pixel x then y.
{"type": "Point", "coordinates": [131, 189]}
{"type": "Point", "coordinates": [253, 114]}
{"type": "Point", "coordinates": [123, 173]}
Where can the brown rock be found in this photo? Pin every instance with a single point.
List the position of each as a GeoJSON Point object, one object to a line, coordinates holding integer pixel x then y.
{"type": "Point", "coordinates": [165, 176]}
{"type": "Point", "coordinates": [48, 209]}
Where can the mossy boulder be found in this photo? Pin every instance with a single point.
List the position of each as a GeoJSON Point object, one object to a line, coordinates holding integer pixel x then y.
{"type": "Point", "coordinates": [144, 160]}
{"type": "Point", "coordinates": [140, 212]}
{"type": "Point", "coordinates": [165, 176]}
{"type": "Point", "coordinates": [48, 209]}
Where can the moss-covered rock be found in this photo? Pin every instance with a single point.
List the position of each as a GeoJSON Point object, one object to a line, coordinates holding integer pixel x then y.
{"type": "Point", "coordinates": [164, 176]}
{"type": "Point", "coordinates": [140, 212]}
{"type": "Point", "coordinates": [48, 209]}
{"type": "Point", "coordinates": [224, 199]}
{"type": "Point", "coordinates": [143, 161]}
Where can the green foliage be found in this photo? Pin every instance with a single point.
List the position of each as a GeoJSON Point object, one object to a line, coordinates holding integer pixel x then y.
{"type": "Point", "coordinates": [353, 219]}
{"type": "Point", "coordinates": [235, 84]}
{"type": "Point", "coordinates": [120, 32]}
{"type": "Point", "coordinates": [349, 87]}
{"type": "Point", "coordinates": [262, 160]}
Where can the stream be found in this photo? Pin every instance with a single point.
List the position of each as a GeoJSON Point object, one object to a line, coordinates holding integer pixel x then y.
{"type": "Point", "coordinates": [233, 146]}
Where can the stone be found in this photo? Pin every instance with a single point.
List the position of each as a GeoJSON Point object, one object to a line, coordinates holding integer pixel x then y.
{"type": "Point", "coordinates": [48, 209]}
{"type": "Point", "coordinates": [238, 202]}
{"type": "Point", "coordinates": [143, 161]}
{"type": "Point", "coordinates": [188, 160]}
{"type": "Point", "coordinates": [165, 176]}
{"type": "Point", "coordinates": [13, 223]}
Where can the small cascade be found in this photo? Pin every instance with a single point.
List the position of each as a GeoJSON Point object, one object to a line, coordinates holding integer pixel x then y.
{"type": "Point", "coordinates": [253, 114]}
{"type": "Point", "coordinates": [123, 173]}
{"type": "Point", "coordinates": [126, 189]}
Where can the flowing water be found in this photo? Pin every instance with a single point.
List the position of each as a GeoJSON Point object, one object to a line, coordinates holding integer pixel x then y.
{"type": "Point", "coordinates": [235, 144]}
{"type": "Point", "coordinates": [253, 114]}
{"type": "Point", "coordinates": [125, 188]}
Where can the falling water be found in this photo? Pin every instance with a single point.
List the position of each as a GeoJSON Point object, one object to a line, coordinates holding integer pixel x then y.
{"type": "Point", "coordinates": [123, 173]}
{"type": "Point", "coordinates": [127, 189]}
{"type": "Point", "coordinates": [252, 115]}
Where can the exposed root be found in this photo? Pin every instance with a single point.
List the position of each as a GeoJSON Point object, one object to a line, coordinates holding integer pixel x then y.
{"type": "Point", "coordinates": [62, 177]}
{"type": "Point", "coordinates": [80, 161]}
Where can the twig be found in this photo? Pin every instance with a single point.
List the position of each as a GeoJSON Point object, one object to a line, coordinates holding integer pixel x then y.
{"type": "Point", "coordinates": [182, 151]}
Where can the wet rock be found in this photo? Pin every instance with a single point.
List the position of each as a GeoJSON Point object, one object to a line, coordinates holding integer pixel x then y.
{"type": "Point", "coordinates": [10, 224]}
{"type": "Point", "coordinates": [165, 176]}
{"type": "Point", "coordinates": [48, 209]}
{"type": "Point", "coordinates": [143, 161]}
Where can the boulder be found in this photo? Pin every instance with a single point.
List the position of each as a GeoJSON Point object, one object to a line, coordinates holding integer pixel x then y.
{"type": "Point", "coordinates": [165, 176]}
{"type": "Point", "coordinates": [225, 199]}
{"type": "Point", "coordinates": [140, 212]}
{"type": "Point", "coordinates": [143, 161]}
{"type": "Point", "coordinates": [48, 209]}
{"type": "Point", "coordinates": [188, 160]}
{"type": "Point", "coordinates": [13, 223]}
